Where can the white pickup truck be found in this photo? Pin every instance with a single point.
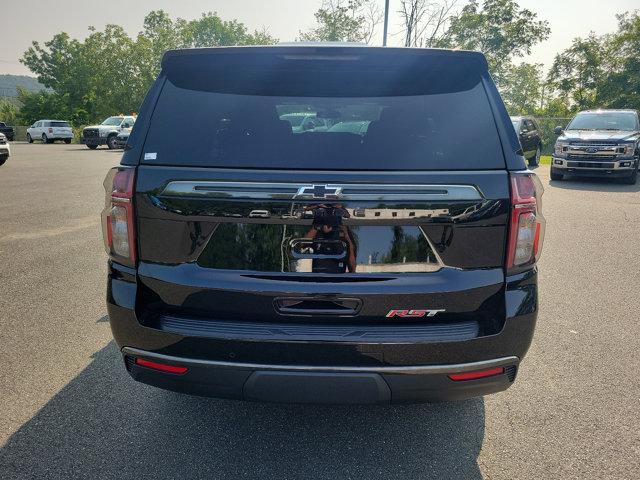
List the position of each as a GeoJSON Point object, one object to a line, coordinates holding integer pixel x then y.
{"type": "Point", "coordinates": [107, 132]}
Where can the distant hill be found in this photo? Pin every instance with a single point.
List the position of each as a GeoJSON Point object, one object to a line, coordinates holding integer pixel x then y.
{"type": "Point", "coordinates": [8, 84]}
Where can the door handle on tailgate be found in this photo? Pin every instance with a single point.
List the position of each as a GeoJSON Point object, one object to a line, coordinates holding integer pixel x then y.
{"type": "Point", "coordinates": [317, 306]}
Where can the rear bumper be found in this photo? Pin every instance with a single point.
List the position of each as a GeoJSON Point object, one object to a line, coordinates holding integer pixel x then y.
{"type": "Point", "coordinates": [321, 384]}
{"type": "Point", "coordinates": [318, 370]}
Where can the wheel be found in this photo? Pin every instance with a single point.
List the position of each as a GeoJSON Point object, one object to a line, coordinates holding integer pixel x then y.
{"type": "Point", "coordinates": [45, 139]}
{"type": "Point", "coordinates": [631, 179]}
{"type": "Point", "coordinates": [67, 141]}
{"type": "Point", "coordinates": [535, 161]}
{"type": "Point", "coordinates": [92, 147]}
{"type": "Point", "coordinates": [2, 160]}
{"type": "Point", "coordinates": [556, 176]}
{"type": "Point", "coordinates": [111, 142]}
{"type": "Point", "coordinates": [29, 139]}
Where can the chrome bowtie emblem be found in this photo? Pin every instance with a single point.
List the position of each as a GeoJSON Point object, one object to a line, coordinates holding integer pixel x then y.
{"type": "Point", "coordinates": [319, 191]}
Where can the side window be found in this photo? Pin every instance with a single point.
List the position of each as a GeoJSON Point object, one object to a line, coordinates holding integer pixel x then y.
{"type": "Point", "coordinates": [46, 124]}
{"type": "Point", "coordinates": [524, 126]}
{"type": "Point", "coordinates": [530, 125]}
{"type": "Point", "coordinates": [38, 124]}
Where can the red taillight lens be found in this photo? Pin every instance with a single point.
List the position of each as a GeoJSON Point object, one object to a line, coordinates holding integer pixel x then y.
{"type": "Point", "coordinates": [118, 223]}
{"type": "Point", "coordinates": [163, 367]}
{"type": "Point", "coordinates": [50, 130]}
{"type": "Point", "coordinates": [526, 225]}
{"type": "Point", "coordinates": [477, 374]}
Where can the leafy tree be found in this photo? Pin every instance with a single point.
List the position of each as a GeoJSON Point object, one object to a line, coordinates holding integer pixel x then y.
{"type": "Point", "coordinates": [621, 85]}
{"type": "Point", "coordinates": [109, 72]}
{"type": "Point", "coordinates": [499, 29]}
{"type": "Point", "coordinates": [522, 88]}
{"type": "Point", "coordinates": [344, 21]}
{"type": "Point", "coordinates": [8, 112]}
{"type": "Point", "coordinates": [577, 72]}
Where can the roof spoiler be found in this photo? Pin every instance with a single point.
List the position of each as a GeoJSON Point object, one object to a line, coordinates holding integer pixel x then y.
{"type": "Point", "coordinates": [344, 70]}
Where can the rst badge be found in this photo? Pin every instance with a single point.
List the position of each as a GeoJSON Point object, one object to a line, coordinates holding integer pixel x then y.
{"type": "Point", "coordinates": [413, 313]}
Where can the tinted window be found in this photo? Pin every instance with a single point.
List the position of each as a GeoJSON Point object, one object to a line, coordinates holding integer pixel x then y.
{"type": "Point", "coordinates": [59, 124]}
{"type": "Point", "coordinates": [453, 130]}
{"type": "Point", "coordinates": [604, 121]}
{"type": "Point", "coordinates": [529, 125]}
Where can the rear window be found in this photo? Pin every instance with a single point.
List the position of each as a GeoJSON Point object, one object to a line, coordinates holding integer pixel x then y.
{"type": "Point", "coordinates": [449, 129]}
{"type": "Point", "coordinates": [59, 124]}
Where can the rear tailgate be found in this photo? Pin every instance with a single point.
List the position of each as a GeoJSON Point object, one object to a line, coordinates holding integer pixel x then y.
{"type": "Point", "coordinates": [243, 246]}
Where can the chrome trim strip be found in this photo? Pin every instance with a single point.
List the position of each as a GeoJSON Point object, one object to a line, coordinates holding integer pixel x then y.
{"type": "Point", "coordinates": [300, 191]}
{"type": "Point", "coordinates": [412, 369]}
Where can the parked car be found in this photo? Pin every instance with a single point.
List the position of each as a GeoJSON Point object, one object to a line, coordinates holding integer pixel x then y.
{"type": "Point", "coordinates": [603, 143]}
{"type": "Point", "coordinates": [107, 132]}
{"type": "Point", "coordinates": [8, 131]}
{"type": "Point", "coordinates": [48, 131]}
{"type": "Point", "coordinates": [5, 149]}
{"type": "Point", "coordinates": [530, 137]}
{"type": "Point", "coordinates": [262, 264]}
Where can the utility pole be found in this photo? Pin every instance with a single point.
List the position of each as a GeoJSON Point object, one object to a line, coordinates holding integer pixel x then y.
{"type": "Point", "coordinates": [386, 22]}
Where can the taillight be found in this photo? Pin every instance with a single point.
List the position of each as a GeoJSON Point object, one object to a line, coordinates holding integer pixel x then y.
{"type": "Point", "coordinates": [118, 223]}
{"type": "Point", "coordinates": [50, 130]}
{"type": "Point", "coordinates": [526, 226]}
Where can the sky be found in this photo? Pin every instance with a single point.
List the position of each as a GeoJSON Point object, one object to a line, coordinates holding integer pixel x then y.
{"type": "Point", "coordinates": [22, 22]}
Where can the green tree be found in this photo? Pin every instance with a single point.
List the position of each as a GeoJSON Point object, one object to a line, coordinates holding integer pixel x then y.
{"type": "Point", "coordinates": [8, 112]}
{"type": "Point", "coordinates": [344, 21]}
{"type": "Point", "coordinates": [500, 29]}
{"type": "Point", "coordinates": [578, 71]}
{"type": "Point", "coordinates": [621, 85]}
{"type": "Point", "coordinates": [109, 72]}
{"type": "Point", "coordinates": [522, 88]}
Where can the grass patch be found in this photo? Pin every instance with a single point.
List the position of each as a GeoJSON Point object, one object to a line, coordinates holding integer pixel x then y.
{"type": "Point", "coordinates": [545, 160]}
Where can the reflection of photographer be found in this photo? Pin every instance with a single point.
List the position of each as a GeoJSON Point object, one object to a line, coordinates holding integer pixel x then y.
{"type": "Point", "coordinates": [331, 238]}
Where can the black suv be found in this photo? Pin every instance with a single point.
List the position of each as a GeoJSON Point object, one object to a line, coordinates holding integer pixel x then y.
{"type": "Point", "coordinates": [267, 263]}
{"type": "Point", "coordinates": [599, 143]}
{"type": "Point", "coordinates": [530, 137]}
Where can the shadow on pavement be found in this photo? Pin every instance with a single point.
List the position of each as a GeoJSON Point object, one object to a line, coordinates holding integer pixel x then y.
{"type": "Point", "coordinates": [104, 425]}
{"type": "Point", "coordinates": [595, 184]}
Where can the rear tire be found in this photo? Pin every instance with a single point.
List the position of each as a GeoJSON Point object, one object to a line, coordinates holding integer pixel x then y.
{"type": "Point", "coordinates": [111, 142]}
{"type": "Point", "coordinates": [556, 176]}
{"type": "Point", "coordinates": [535, 161]}
{"type": "Point", "coordinates": [45, 139]}
{"type": "Point", "coordinates": [2, 160]}
{"type": "Point", "coordinates": [92, 147]}
{"type": "Point", "coordinates": [67, 141]}
{"type": "Point", "coordinates": [29, 139]}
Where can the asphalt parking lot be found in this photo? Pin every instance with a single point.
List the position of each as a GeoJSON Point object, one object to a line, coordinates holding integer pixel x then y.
{"type": "Point", "coordinates": [69, 410]}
